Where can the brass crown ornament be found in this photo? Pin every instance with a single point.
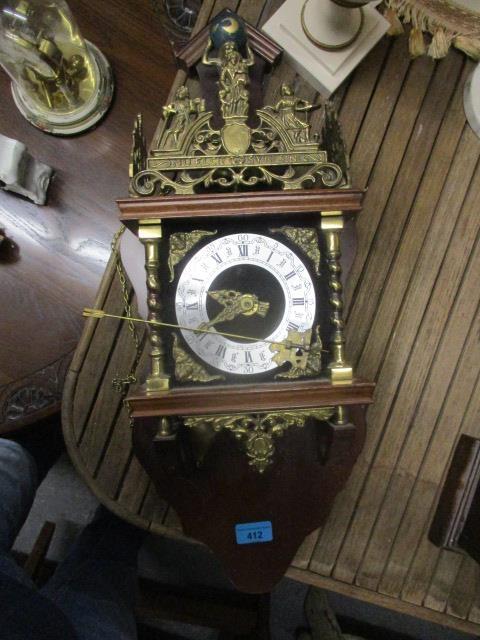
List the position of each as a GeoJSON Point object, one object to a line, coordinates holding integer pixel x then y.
{"type": "Point", "coordinates": [192, 154]}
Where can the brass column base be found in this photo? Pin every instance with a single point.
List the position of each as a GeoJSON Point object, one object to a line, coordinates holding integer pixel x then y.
{"type": "Point", "coordinates": [341, 375]}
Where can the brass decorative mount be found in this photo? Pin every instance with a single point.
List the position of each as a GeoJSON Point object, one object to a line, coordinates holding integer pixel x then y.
{"type": "Point", "coordinates": [192, 153]}
{"type": "Point", "coordinates": [257, 431]}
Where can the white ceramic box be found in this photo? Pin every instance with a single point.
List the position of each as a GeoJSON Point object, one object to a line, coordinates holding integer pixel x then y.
{"type": "Point", "coordinates": [324, 70]}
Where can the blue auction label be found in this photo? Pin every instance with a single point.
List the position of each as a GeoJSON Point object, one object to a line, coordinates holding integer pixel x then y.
{"type": "Point", "coordinates": [254, 532]}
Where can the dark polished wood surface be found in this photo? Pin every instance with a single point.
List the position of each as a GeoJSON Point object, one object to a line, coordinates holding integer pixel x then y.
{"type": "Point", "coordinates": [216, 489]}
{"type": "Point", "coordinates": [63, 247]}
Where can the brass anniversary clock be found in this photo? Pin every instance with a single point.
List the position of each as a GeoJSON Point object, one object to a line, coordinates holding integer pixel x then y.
{"type": "Point", "coordinates": [250, 418]}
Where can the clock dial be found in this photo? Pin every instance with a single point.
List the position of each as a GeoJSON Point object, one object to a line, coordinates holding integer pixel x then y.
{"type": "Point", "coordinates": [247, 284]}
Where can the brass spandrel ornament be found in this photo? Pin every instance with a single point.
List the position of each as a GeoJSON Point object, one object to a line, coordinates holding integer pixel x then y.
{"type": "Point", "coordinates": [305, 239]}
{"type": "Point", "coordinates": [194, 154]}
{"type": "Point", "coordinates": [305, 363]}
{"type": "Point", "coordinates": [139, 148]}
{"type": "Point", "coordinates": [187, 369]}
{"type": "Point", "coordinates": [181, 243]}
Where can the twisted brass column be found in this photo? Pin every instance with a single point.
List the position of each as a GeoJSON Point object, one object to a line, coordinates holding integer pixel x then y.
{"type": "Point", "coordinates": [150, 234]}
{"type": "Point", "coordinates": [332, 226]}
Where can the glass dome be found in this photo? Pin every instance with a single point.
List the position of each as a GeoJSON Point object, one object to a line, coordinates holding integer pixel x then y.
{"type": "Point", "coordinates": [60, 82]}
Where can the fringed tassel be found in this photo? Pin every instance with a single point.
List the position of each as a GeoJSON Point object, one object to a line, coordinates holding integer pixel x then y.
{"type": "Point", "coordinates": [416, 43]}
{"type": "Point", "coordinates": [469, 46]}
{"type": "Point", "coordinates": [440, 44]}
{"type": "Point", "coordinates": [396, 27]}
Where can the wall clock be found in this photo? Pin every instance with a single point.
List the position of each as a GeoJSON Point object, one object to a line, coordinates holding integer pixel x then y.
{"type": "Point", "coordinates": [250, 417]}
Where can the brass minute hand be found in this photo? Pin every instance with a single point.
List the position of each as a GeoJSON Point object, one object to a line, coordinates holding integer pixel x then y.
{"type": "Point", "coordinates": [235, 304]}
{"type": "Point", "coordinates": [289, 343]}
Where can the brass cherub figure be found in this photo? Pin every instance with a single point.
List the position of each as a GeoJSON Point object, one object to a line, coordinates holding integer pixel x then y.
{"type": "Point", "coordinates": [181, 109]}
{"type": "Point", "coordinates": [286, 107]}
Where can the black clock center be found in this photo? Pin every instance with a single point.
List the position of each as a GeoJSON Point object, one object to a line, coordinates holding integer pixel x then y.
{"type": "Point", "coordinates": [253, 283]}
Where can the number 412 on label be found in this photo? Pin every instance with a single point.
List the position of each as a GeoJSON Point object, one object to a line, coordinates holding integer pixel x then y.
{"type": "Point", "coordinates": [254, 532]}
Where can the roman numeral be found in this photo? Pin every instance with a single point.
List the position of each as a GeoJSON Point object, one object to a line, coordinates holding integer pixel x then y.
{"type": "Point", "coordinates": [248, 357]}
{"type": "Point", "coordinates": [290, 275]}
{"type": "Point", "coordinates": [221, 351]}
{"type": "Point", "coordinates": [217, 258]}
{"type": "Point", "coordinates": [243, 249]}
{"type": "Point", "coordinates": [291, 326]}
{"type": "Point", "coordinates": [270, 256]}
{"type": "Point", "coordinates": [299, 301]}
{"type": "Point", "coordinates": [193, 306]}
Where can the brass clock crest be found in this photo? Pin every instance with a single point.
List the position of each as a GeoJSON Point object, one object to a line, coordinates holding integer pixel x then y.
{"type": "Point", "coordinates": [193, 154]}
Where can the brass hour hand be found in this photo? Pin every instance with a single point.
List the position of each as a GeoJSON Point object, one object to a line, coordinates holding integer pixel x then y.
{"type": "Point", "coordinates": [235, 304]}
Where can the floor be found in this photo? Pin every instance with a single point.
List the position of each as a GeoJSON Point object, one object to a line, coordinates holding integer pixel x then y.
{"type": "Point", "coordinates": [65, 499]}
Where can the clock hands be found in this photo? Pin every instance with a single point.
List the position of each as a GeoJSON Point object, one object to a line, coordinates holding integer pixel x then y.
{"type": "Point", "coordinates": [235, 304]}
{"type": "Point", "coordinates": [304, 345]}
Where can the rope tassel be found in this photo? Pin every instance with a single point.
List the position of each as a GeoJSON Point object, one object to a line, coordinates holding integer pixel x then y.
{"type": "Point", "coordinates": [440, 44]}
{"type": "Point", "coordinates": [416, 43]}
{"type": "Point", "coordinates": [446, 23]}
{"type": "Point", "coordinates": [396, 27]}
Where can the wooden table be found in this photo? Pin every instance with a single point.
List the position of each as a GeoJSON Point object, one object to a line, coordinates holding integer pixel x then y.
{"type": "Point", "coordinates": [64, 247]}
{"type": "Point", "coordinates": [413, 326]}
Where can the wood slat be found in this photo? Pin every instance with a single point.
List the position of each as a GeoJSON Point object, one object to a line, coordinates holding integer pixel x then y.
{"type": "Point", "coordinates": [431, 189]}
{"type": "Point", "coordinates": [461, 596]}
{"type": "Point", "coordinates": [118, 452]}
{"type": "Point", "coordinates": [397, 414]}
{"type": "Point", "coordinates": [99, 425]}
{"type": "Point", "coordinates": [403, 336]}
{"type": "Point", "coordinates": [134, 487]}
{"type": "Point", "coordinates": [373, 129]}
{"type": "Point", "coordinates": [424, 560]}
{"type": "Point", "coordinates": [401, 197]}
{"type": "Point", "coordinates": [361, 91]}
{"type": "Point", "coordinates": [416, 517]}
{"type": "Point", "coordinates": [422, 424]}
{"type": "Point", "coordinates": [99, 339]}
{"type": "Point", "coordinates": [442, 581]}
{"type": "Point", "coordinates": [304, 553]}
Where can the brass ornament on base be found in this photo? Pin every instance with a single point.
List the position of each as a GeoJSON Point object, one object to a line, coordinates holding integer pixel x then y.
{"type": "Point", "coordinates": [257, 431]}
